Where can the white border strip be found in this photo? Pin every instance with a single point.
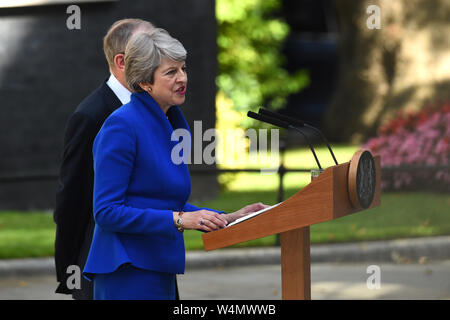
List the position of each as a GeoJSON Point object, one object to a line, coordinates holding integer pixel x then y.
{"type": "Point", "coordinates": [33, 3]}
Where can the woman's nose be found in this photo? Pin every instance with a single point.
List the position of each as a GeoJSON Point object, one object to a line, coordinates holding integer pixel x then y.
{"type": "Point", "coordinates": [182, 76]}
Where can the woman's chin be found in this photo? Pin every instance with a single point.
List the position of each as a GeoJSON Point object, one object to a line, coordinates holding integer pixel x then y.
{"type": "Point", "coordinates": [180, 101]}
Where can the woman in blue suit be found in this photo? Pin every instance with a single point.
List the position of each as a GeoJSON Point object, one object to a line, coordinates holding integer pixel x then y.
{"type": "Point", "coordinates": [140, 194]}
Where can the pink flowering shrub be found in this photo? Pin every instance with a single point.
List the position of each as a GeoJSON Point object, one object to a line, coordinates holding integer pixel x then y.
{"type": "Point", "coordinates": [415, 150]}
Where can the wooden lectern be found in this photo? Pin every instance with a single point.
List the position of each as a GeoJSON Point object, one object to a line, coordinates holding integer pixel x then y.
{"type": "Point", "coordinates": [338, 191]}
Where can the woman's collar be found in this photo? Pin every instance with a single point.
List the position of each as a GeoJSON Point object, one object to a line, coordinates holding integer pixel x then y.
{"type": "Point", "coordinates": [173, 115]}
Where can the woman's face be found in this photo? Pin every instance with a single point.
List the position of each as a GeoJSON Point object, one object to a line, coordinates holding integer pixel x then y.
{"type": "Point", "coordinates": [169, 85]}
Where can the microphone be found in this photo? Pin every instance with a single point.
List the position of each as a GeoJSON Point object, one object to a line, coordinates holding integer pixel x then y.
{"type": "Point", "coordinates": [268, 119]}
{"type": "Point", "coordinates": [299, 123]}
{"type": "Point", "coordinates": [285, 125]}
{"type": "Point", "coordinates": [277, 115]}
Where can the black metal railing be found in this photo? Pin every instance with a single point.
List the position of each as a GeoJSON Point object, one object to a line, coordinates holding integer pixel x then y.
{"type": "Point", "coordinates": [281, 172]}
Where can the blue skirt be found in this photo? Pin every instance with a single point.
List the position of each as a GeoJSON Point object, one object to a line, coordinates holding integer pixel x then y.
{"type": "Point", "coordinates": [131, 283]}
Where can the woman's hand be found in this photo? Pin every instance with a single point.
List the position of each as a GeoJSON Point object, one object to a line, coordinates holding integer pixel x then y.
{"type": "Point", "coordinates": [202, 220]}
{"type": "Point", "coordinates": [244, 211]}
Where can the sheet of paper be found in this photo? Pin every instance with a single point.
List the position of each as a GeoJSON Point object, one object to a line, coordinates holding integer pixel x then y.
{"type": "Point", "coordinates": [251, 215]}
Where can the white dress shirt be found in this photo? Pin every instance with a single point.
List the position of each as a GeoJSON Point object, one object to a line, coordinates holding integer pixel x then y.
{"type": "Point", "coordinates": [119, 90]}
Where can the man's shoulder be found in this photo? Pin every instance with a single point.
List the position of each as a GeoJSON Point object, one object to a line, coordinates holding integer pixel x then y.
{"type": "Point", "coordinates": [125, 115]}
{"type": "Point", "coordinates": [98, 105]}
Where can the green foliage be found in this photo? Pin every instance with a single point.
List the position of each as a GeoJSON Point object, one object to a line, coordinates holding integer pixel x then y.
{"type": "Point", "coordinates": [250, 63]}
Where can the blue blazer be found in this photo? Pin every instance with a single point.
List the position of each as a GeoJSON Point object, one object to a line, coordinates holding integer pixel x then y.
{"type": "Point", "coordinates": [136, 188]}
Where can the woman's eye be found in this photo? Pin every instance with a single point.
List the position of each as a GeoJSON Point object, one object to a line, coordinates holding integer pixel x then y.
{"type": "Point", "coordinates": [174, 71]}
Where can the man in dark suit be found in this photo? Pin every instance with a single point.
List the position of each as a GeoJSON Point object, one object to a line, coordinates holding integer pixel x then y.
{"type": "Point", "coordinates": [73, 209]}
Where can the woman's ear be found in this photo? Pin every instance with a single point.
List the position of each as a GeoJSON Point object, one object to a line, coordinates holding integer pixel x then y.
{"type": "Point", "coordinates": [145, 86]}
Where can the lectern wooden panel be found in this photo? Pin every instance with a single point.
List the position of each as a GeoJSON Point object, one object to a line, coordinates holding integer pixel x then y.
{"type": "Point", "coordinates": [295, 264]}
{"type": "Point", "coordinates": [325, 198]}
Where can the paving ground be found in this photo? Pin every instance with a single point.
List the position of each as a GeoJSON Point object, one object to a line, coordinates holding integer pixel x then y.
{"type": "Point", "coordinates": [329, 281]}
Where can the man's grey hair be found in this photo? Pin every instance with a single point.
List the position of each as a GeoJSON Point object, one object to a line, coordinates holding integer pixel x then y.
{"type": "Point", "coordinates": [144, 53]}
{"type": "Point", "coordinates": [119, 34]}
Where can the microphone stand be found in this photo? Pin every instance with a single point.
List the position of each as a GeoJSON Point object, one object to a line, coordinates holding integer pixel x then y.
{"type": "Point", "coordinates": [309, 143]}
{"type": "Point", "coordinates": [324, 139]}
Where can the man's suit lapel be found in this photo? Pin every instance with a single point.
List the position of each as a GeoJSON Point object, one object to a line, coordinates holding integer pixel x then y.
{"type": "Point", "coordinates": [111, 100]}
